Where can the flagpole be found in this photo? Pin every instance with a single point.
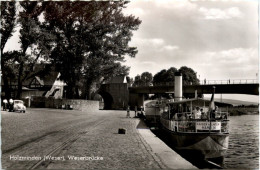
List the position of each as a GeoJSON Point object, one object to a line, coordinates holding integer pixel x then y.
{"type": "Point", "coordinates": [212, 106]}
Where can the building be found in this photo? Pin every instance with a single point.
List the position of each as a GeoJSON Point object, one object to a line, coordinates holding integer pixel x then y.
{"type": "Point", "coordinates": [48, 85]}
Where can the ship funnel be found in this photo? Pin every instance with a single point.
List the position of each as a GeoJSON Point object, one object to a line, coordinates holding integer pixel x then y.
{"type": "Point", "coordinates": [178, 86]}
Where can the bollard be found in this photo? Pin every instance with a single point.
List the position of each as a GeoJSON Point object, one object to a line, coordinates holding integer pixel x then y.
{"type": "Point", "coordinates": [121, 131]}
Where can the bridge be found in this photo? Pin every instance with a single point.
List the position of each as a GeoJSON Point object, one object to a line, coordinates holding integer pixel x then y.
{"type": "Point", "coordinates": [120, 94]}
{"type": "Point", "coordinates": [251, 89]}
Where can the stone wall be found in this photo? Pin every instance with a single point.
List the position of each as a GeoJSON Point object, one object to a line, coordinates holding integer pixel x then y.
{"type": "Point", "coordinates": [77, 104]}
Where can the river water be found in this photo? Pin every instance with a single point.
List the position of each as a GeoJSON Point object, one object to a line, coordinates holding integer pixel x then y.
{"type": "Point", "coordinates": [243, 151]}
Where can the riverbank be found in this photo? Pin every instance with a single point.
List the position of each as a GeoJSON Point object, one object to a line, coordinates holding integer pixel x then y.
{"type": "Point", "coordinates": [237, 111]}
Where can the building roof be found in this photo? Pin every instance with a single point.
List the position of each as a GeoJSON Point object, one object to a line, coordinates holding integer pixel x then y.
{"type": "Point", "coordinates": [39, 80]}
{"type": "Point", "coordinates": [47, 80]}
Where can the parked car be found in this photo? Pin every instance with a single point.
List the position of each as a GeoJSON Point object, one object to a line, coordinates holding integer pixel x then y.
{"type": "Point", "coordinates": [19, 106]}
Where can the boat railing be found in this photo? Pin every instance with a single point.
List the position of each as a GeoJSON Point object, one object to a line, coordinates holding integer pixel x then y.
{"type": "Point", "coordinates": [206, 115]}
{"type": "Point", "coordinates": [183, 124]}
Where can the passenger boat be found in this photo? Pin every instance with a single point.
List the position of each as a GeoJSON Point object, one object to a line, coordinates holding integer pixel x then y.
{"type": "Point", "coordinates": [205, 129]}
{"type": "Point", "coordinates": [207, 133]}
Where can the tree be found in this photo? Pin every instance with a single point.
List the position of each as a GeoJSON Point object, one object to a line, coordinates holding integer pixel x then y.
{"type": "Point", "coordinates": [165, 76]}
{"type": "Point", "coordinates": [8, 18]}
{"type": "Point", "coordinates": [146, 78]}
{"type": "Point", "coordinates": [143, 80]}
{"type": "Point", "coordinates": [137, 81]}
{"type": "Point", "coordinates": [92, 40]}
{"type": "Point", "coordinates": [34, 38]}
{"type": "Point", "coordinates": [159, 77]}
{"type": "Point", "coordinates": [189, 76]}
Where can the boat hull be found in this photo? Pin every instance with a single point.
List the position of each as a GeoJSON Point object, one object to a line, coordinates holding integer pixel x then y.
{"type": "Point", "coordinates": [211, 145]}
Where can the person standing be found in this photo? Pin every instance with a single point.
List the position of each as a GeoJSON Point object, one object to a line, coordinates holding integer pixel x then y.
{"type": "Point", "coordinates": [11, 105]}
{"type": "Point", "coordinates": [142, 111]}
{"type": "Point", "coordinates": [5, 103]}
{"type": "Point", "coordinates": [135, 110]}
{"type": "Point", "coordinates": [128, 112]}
{"type": "Point", "coordinates": [197, 113]}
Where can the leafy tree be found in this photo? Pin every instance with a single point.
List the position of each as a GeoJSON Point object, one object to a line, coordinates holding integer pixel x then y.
{"type": "Point", "coordinates": [159, 77]}
{"type": "Point", "coordinates": [146, 78]}
{"type": "Point", "coordinates": [165, 76]}
{"type": "Point", "coordinates": [34, 38]}
{"type": "Point", "coordinates": [8, 21]}
{"type": "Point", "coordinates": [170, 74]}
{"type": "Point", "coordinates": [137, 81]}
{"type": "Point", "coordinates": [143, 80]}
{"type": "Point", "coordinates": [8, 17]}
{"type": "Point", "coordinates": [189, 76]}
{"type": "Point", "coordinates": [92, 40]}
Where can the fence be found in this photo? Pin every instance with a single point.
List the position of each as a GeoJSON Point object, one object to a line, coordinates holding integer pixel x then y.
{"type": "Point", "coordinates": [229, 81]}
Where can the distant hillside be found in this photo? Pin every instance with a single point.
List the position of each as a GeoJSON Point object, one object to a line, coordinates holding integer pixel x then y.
{"type": "Point", "coordinates": [235, 102]}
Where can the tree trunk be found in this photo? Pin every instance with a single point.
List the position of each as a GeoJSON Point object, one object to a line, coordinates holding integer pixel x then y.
{"type": "Point", "coordinates": [69, 94]}
{"type": "Point", "coordinates": [88, 90]}
{"type": "Point", "coordinates": [6, 87]}
{"type": "Point", "coordinates": [72, 91]}
{"type": "Point", "coordinates": [20, 83]}
{"type": "Point", "coordinates": [77, 92]}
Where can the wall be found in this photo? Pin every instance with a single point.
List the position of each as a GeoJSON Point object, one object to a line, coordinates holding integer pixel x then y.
{"type": "Point", "coordinates": [83, 105]}
{"type": "Point", "coordinates": [28, 93]}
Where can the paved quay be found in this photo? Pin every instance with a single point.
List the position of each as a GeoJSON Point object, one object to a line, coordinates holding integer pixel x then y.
{"type": "Point", "coordinates": [139, 148]}
{"type": "Point", "coordinates": [83, 141]}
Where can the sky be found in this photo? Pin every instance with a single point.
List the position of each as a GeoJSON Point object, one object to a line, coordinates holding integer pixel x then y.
{"type": "Point", "coordinates": [217, 39]}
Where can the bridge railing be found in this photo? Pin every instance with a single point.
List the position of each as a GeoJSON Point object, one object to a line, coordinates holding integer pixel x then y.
{"type": "Point", "coordinates": [230, 81]}
{"type": "Point", "coordinates": [207, 82]}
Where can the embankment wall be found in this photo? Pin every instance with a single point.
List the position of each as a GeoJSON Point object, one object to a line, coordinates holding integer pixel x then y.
{"type": "Point", "coordinates": [77, 104]}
